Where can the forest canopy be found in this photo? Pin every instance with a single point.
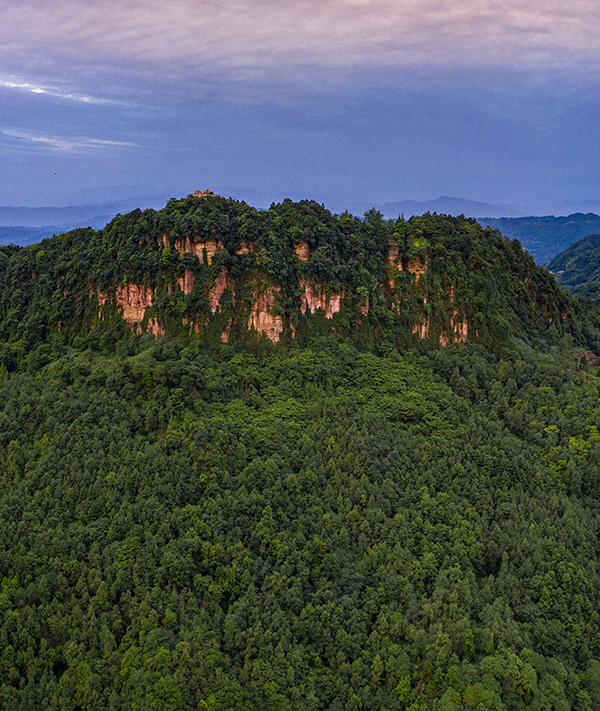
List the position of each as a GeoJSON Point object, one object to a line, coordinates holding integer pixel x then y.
{"type": "Point", "coordinates": [347, 519]}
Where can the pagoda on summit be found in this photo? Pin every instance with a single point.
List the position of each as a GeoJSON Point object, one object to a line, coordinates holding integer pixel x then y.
{"type": "Point", "coordinates": [205, 194]}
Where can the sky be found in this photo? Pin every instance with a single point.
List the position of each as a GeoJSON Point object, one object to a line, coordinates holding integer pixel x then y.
{"type": "Point", "coordinates": [371, 100]}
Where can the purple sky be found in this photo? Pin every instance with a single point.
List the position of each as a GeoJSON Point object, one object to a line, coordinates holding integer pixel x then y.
{"type": "Point", "coordinates": [373, 99]}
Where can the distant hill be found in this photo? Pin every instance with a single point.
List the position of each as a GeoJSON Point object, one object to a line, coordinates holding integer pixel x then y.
{"type": "Point", "coordinates": [545, 237]}
{"type": "Point", "coordinates": [449, 205]}
{"type": "Point", "coordinates": [577, 269]}
{"type": "Point", "coordinates": [24, 235]}
{"type": "Point", "coordinates": [75, 215]}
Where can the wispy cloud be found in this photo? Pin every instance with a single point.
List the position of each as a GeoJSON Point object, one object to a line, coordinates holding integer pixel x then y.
{"type": "Point", "coordinates": [21, 85]}
{"type": "Point", "coordinates": [66, 145]}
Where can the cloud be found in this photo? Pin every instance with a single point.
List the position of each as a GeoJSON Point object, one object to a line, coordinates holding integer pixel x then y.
{"type": "Point", "coordinates": [66, 145]}
{"type": "Point", "coordinates": [21, 85]}
{"type": "Point", "coordinates": [236, 36]}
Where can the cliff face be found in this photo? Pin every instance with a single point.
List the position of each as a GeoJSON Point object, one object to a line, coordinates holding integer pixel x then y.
{"type": "Point", "coordinates": [221, 269]}
{"type": "Point", "coordinates": [266, 313]}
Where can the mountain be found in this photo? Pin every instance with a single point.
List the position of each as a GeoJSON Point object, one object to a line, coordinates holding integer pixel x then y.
{"type": "Point", "coordinates": [577, 269]}
{"type": "Point", "coordinates": [25, 235]}
{"type": "Point", "coordinates": [450, 205]}
{"type": "Point", "coordinates": [221, 268]}
{"type": "Point", "coordinates": [74, 215]}
{"type": "Point", "coordinates": [545, 237]}
{"type": "Point", "coordinates": [281, 459]}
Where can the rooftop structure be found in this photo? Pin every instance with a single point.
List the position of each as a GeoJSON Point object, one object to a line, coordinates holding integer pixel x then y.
{"type": "Point", "coordinates": [205, 193]}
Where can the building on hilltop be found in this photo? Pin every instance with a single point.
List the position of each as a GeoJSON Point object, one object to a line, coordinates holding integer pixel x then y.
{"type": "Point", "coordinates": [205, 193]}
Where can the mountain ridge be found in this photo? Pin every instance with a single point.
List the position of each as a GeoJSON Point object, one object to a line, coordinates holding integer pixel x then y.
{"type": "Point", "coordinates": [219, 269]}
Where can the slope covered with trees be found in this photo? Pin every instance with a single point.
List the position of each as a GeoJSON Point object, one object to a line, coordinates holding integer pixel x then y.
{"type": "Point", "coordinates": [338, 520]}
{"type": "Point", "coordinates": [222, 269]}
{"type": "Point", "coordinates": [545, 237]}
{"type": "Point", "coordinates": [577, 269]}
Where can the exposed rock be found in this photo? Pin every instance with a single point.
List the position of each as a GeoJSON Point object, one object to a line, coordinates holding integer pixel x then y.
{"type": "Point", "coordinates": [195, 247]}
{"type": "Point", "coordinates": [302, 251]}
{"type": "Point", "coordinates": [245, 248]}
{"type": "Point", "coordinates": [417, 267]}
{"type": "Point", "coordinates": [393, 252]}
{"type": "Point", "coordinates": [261, 317]}
{"type": "Point", "coordinates": [460, 330]}
{"type": "Point", "coordinates": [421, 329]}
{"type": "Point", "coordinates": [193, 326]}
{"type": "Point", "coordinates": [186, 282]}
{"type": "Point", "coordinates": [218, 290]}
{"type": "Point", "coordinates": [226, 333]}
{"type": "Point", "coordinates": [134, 299]}
{"type": "Point", "coordinates": [311, 301]}
{"type": "Point", "coordinates": [153, 327]}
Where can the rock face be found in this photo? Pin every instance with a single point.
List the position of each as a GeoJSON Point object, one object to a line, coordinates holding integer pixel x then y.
{"type": "Point", "coordinates": [195, 247]}
{"type": "Point", "coordinates": [134, 299]}
{"type": "Point", "coordinates": [313, 299]}
{"type": "Point", "coordinates": [261, 317]}
{"type": "Point", "coordinates": [417, 267]}
{"type": "Point", "coordinates": [186, 282]}
{"type": "Point", "coordinates": [302, 251]}
{"type": "Point", "coordinates": [215, 294]}
{"type": "Point", "coordinates": [264, 312]}
{"type": "Point", "coordinates": [264, 315]}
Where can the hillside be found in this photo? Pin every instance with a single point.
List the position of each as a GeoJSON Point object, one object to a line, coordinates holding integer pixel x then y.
{"type": "Point", "coordinates": [222, 269]}
{"type": "Point", "coordinates": [354, 471]}
{"type": "Point", "coordinates": [578, 268]}
{"type": "Point", "coordinates": [545, 237]}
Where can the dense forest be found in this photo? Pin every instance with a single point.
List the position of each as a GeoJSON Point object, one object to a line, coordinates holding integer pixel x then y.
{"type": "Point", "coordinates": [545, 237]}
{"type": "Point", "coordinates": [578, 268]}
{"type": "Point", "coordinates": [352, 517]}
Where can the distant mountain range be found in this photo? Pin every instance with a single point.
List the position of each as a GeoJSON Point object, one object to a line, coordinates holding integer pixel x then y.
{"type": "Point", "coordinates": [545, 237]}
{"type": "Point", "coordinates": [27, 225]}
{"type": "Point", "coordinates": [449, 206]}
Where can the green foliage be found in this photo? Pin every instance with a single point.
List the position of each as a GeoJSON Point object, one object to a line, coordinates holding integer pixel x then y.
{"type": "Point", "coordinates": [184, 528]}
{"type": "Point", "coordinates": [577, 269]}
{"type": "Point", "coordinates": [186, 524]}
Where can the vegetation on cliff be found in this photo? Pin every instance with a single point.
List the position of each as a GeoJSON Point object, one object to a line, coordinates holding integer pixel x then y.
{"type": "Point", "coordinates": [349, 518]}
{"type": "Point", "coordinates": [221, 269]}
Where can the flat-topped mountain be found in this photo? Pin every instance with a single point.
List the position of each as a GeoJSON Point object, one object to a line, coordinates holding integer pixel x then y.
{"type": "Point", "coordinates": [222, 269]}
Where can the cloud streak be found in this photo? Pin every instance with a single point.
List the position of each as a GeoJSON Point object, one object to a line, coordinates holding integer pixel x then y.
{"type": "Point", "coordinates": [65, 145]}
{"type": "Point", "coordinates": [21, 85]}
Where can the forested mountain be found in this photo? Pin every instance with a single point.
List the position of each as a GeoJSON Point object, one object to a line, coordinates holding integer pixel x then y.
{"type": "Point", "coordinates": [545, 237]}
{"type": "Point", "coordinates": [222, 269]}
{"type": "Point", "coordinates": [295, 498]}
{"type": "Point", "coordinates": [578, 268]}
